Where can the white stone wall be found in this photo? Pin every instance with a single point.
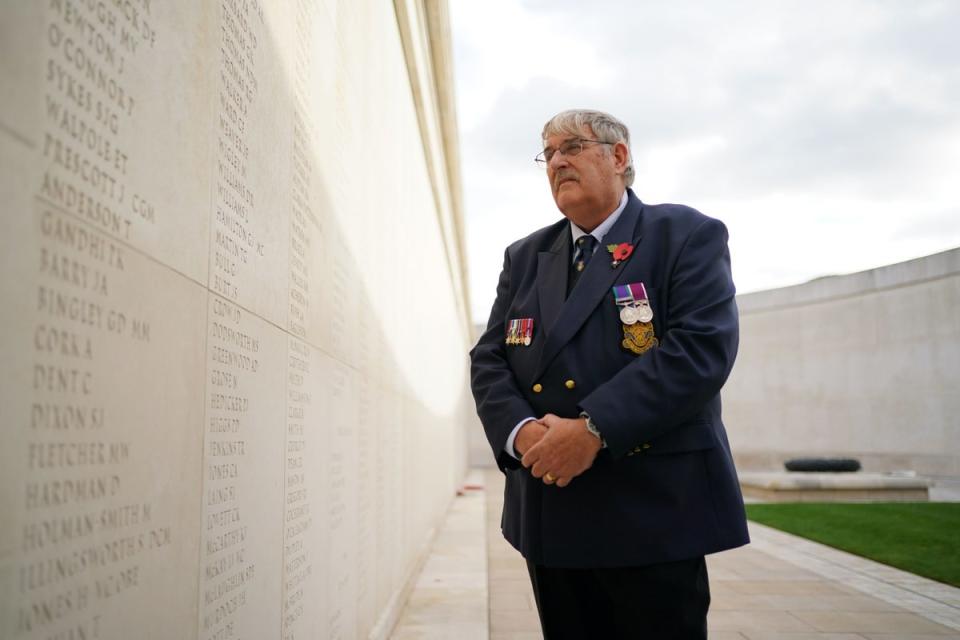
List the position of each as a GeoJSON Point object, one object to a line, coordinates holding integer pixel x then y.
{"type": "Point", "coordinates": [864, 365]}
{"type": "Point", "coordinates": [233, 316]}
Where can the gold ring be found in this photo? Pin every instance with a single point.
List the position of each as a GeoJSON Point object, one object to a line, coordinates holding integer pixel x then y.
{"type": "Point", "coordinates": [548, 477]}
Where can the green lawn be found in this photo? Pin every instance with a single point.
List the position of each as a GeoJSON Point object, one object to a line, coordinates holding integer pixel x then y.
{"type": "Point", "coordinates": [919, 537]}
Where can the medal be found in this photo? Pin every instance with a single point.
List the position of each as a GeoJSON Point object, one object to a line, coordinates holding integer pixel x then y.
{"type": "Point", "coordinates": [629, 315]}
{"type": "Point", "coordinates": [633, 303]}
{"type": "Point", "coordinates": [636, 314]}
{"type": "Point", "coordinates": [644, 312]}
{"type": "Point", "coordinates": [520, 332]}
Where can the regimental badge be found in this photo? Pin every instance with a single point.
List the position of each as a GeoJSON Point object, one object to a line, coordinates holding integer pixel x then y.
{"type": "Point", "coordinates": [520, 332]}
{"type": "Point", "coordinates": [639, 337]}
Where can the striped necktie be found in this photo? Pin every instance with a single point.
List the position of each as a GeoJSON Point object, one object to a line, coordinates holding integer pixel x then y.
{"type": "Point", "coordinates": [585, 246]}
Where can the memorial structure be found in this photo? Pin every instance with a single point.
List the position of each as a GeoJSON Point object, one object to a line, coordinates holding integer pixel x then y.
{"type": "Point", "coordinates": [865, 365]}
{"type": "Point", "coordinates": [234, 316]}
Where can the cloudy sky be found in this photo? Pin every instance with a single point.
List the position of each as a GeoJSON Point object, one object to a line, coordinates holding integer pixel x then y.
{"type": "Point", "coordinates": [826, 135]}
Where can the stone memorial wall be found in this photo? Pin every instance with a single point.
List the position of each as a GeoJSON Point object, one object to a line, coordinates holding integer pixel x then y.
{"type": "Point", "coordinates": [234, 321]}
{"type": "Point", "coordinates": [865, 365]}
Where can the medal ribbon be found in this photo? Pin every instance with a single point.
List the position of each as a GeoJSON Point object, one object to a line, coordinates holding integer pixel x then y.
{"type": "Point", "coordinates": [628, 294]}
{"type": "Point", "coordinates": [518, 329]}
{"type": "Point", "coordinates": [638, 291]}
{"type": "Point", "coordinates": [622, 295]}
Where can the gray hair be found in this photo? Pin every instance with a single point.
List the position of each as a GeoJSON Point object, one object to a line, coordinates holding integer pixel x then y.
{"type": "Point", "coordinates": [605, 128]}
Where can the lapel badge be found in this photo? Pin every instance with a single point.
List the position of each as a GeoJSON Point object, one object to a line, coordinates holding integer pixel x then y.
{"type": "Point", "coordinates": [620, 252]}
{"type": "Point", "coordinates": [520, 332]}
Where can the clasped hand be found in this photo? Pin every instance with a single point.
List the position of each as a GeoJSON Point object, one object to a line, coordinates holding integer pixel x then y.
{"type": "Point", "coordinates": [557, 449]}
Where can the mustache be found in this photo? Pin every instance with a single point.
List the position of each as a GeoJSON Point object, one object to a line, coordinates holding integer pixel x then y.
{"type": "Point", "coordinates": [564, 175]}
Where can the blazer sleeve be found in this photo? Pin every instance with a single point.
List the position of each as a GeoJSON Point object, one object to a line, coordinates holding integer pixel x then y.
{"type": "Point", "coordinates": [500, 403]}
{"type": "Point", "coordinates": [671, 383]}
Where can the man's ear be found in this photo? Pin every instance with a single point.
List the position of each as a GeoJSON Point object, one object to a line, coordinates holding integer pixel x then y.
{"type": "Point", "coordinates": [621, 155]}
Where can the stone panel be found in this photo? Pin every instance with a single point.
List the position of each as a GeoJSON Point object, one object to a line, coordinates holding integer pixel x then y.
{"type": "Point", "coordinates": [101, 451]}
{"type": "Point", "coordinates": [108, 76]}
{"type": "Point", "coordinates": [243, 474]}
{"type": "Point", "coordinates": [251, 156]}
{"type": "Point", "coordinates": [305, 534]}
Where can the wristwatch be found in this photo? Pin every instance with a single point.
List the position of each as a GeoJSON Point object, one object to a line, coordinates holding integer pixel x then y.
{"type": "Point", "coordinates": [592, 428]}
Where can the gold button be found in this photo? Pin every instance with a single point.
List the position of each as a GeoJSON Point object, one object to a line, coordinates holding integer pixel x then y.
{"type": "Point", "coordinates": [570, 384]}
{"type": "Point", "coordinates": [646, 445]}
{"type": "Point", "coordinates": [537, 388]}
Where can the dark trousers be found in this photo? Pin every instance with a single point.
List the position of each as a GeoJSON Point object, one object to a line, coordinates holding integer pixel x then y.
{"type": "Point", "coordinates": [659, 602]}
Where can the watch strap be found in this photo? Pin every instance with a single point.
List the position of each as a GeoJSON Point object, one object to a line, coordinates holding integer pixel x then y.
{"type": "Point", "coordinates": [592, 428]}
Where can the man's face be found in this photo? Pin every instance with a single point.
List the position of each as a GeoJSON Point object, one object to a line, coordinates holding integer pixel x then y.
{"type": "Point", "coordinates": [589, 184]}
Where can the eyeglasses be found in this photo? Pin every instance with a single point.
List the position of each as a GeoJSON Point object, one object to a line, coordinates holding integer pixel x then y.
{"type": "Point", "coordinates": [568, 148]}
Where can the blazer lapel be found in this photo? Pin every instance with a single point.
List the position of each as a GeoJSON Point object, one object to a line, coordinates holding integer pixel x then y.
{"type": "Point", "coordinates": [552, 271]}
{"type": "Point", "coordinates": [593, 285]}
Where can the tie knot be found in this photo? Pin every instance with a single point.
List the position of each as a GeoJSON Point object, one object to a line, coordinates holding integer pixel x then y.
{"type": "Point", "coordinates": [585, 246]}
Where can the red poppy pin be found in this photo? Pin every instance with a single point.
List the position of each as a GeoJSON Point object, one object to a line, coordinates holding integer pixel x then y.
{"type": "Point", "coordinates": [620, 252]}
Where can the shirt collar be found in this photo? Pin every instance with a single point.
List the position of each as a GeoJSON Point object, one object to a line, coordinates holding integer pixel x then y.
{"type": "Point", "coordinates": [603, 227]}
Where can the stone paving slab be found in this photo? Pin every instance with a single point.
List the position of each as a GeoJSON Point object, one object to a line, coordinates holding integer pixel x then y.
{"type": "Point", "coordinates": [780, 587]}
{"type": "Point", "coordinates": [933, 600]}
{"type": "Point", "coordinates": [449, 598]}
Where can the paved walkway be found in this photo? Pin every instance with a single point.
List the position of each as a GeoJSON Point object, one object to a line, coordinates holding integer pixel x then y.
{"type": "Point", "coordinates": [780, 587]}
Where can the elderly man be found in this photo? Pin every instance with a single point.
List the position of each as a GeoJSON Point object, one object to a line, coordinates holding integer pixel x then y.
{"type": "Point", "coordinates": [598, 384]}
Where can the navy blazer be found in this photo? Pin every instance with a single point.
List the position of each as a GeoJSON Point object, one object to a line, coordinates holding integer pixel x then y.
{"type": "Point", "coordinates": [665, 488]}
